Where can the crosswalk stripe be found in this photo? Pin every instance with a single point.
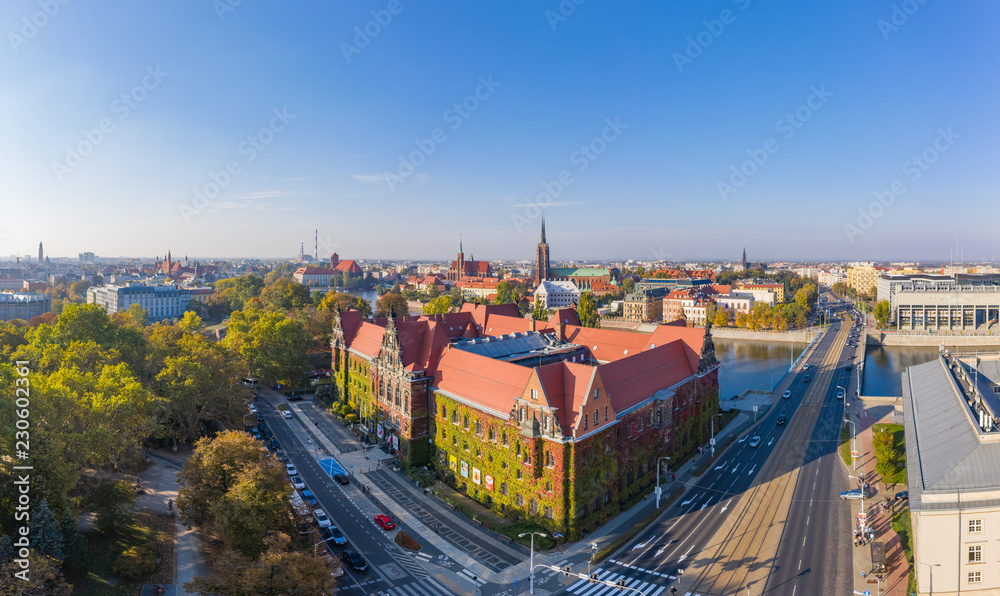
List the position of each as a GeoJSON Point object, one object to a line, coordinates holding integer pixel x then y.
{"type": "Point", "coordinates": [440, 590]}
{"type": "Point", "coordinates": [581, 582]}
{"type": "Point", "coordinates": [657, 592]}
{"type": "Point", "coordinates": [607, 575]}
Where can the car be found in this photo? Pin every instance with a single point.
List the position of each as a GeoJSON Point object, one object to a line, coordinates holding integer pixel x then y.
{"type": "Point", "coordinates": [905, 494]}
{"type": "Point", "coordinates": [780, 420]}
{"type": "Point", "coordinates": [341, 479]}
{"type": "Point", "coordinates": [848, 367]}
{"type": "Point", "coordinates": [275, 445]}
{"type": "Point", "coordinates": [755, 441]}
{"type": "Point", "coordinates": [280, 454]}
{"type": "Point", "coordinates": [840, 394]}
{"type": "Point", "coordinates": [295, 397]}
{"type": "Point", "coordinates": [287, 414]}
{"type": "Point", "coordinates": [805, 367]}
{"type": "Point", "coordinates": [297, 482]}
{"type": "Point", "coordinates": [354, 560]}
{"type": "Point", "coordinates": [253, 408]}
{"type": "Point", "coordinates": [806, 379]}
{"type": "Point", "coordinates": [384, 522]}
{"type": "Point", "coordinates": [267, 433]}
{"type": "Point", "coordinates": [308, 497]}
{"type": "Point", "coordinates": [261, 426]}
{"type": "Point", "coordinates": [333, 534]}
{"type": "Point", "coordinates": [787, 394]}
{"type": "Point", "coordinates": [290, 468]}
{"type": "Point", "coordinates": [260, 417]}
{"type": "Point", "coordinates": [852, 494]}
{"type": "Point", "coordinates": [321, 518]}
{"type": "Point", "coordinates": [255, 433]}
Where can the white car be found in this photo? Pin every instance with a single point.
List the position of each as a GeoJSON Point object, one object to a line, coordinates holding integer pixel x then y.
{"type": "Point", "coordinates": [253, 408]}
{"type": "Point", "coordinates": [840, 394]}
{"type": "Point", "coordinates": [290, 468]}
{"type": "Point", "coordinates": [321, 518]}
{"type": "Point", "coordinates": [787, 394]}
{"type": "Point", "coordinates": [755, 441]}
{"type": "Point", "coordinates": [297, 482]}
{"type": "Point", "coordinates": [287, 414]}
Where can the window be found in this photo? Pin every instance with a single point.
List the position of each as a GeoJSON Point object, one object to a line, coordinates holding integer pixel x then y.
{"type": "Point", "coordinates": [493, 434]}
{"type": "Point", "coordinates": [585, 420]}
{"type": "Point", "coordinates": [519, 500]}
{"type": "Point", "coordinates": [534, 394]}
{"type": "Point", "coordinates": [545, 422]}
{"type": "Point", "coordinates": [975, 577]}
{"type": "Point", "coordinates": [975, 526]}
{"type": "Point", "coordinates": [548, 513]}
{"type": "Point", "coordinates": [465, 422]}
{"type": "Point", "coordinates": [550, 461]}
{"type": "Point", "coordinates": [596, 421]}
{"type": "Point", "coordinates": [519, 473]}
{"type": "Point", "coordinates": [454, 417]}
{"type": "Point", "coordinates": [533, 507]}
{"type": "Point", "coordinates": [605, 413]}
{"type": "Point", "coordinates": [548, 487]}
{"type": "Point", "coordinates": [503, 488]}
{"type": "Point", "coordinates": [976, 553]}
{"type": "Point", "coordinates": [503, 438]}
{"type": "Point", "coordinates": [479, 428]}
{"type": "Point", "coordinates": [659, 415]}
{"type": "Point", "coordinates": [597, 393]}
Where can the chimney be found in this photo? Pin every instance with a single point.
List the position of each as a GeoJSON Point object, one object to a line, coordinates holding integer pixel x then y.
{"type": "Point", "coordinates": [559, 332]}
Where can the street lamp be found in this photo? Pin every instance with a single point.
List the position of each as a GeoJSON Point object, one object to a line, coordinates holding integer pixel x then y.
{"type": "Point", "coordinates": [854, 437]}
{"type": "Point", "coordinates": [531, 575]}
{"type": "Point", "coordinates": [317, 545]}
{"type": "Point", "coordinates": [713, 433]}
{"type": "Point", "coordinates": [666, 457]}
{"type": "Point", "coordinates": [930, 589]}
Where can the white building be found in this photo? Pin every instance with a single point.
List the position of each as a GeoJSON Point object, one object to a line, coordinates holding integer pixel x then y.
{"type": "Point", "coordinates": [828, 278]}
{"type": "Point", "coordinates": [765, 296]}
{"type": "Point", "coordinates": [314, 276]}
{"type": "Point", "coordinates": [735, 302]}
{"type": "Point", "coordinates": [159, 302]}
{"type": "Point", "coordinates": [557, 294]}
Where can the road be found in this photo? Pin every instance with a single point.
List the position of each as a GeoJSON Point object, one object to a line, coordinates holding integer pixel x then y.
{"type": "Point", "coordinates": [768, 517]}
{"type": "Point", "coordinates": [391, 570]}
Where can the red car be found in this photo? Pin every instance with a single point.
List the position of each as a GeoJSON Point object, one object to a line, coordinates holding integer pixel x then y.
{"type": "Point", "coordinates": [384, 522]}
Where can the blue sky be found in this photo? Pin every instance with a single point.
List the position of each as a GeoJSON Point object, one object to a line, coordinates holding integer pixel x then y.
{"type": "Point", "coordinates": [635, 118]}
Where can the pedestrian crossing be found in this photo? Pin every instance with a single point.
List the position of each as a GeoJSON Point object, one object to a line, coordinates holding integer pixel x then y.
{"type": "Point", "coordinates": [548, 571]}
{"type": "Point", "coordinates": [472, 577]}
{"type": "Point", "coordinates": [583, 587]}
{"type": "Point", "coordinates": [427, 587]}
{"type": "Point", "coordinates": [413, 567]}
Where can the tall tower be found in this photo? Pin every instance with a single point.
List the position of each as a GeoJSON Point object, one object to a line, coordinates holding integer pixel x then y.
{"type": "Point", "coordinates": [316, 247]}
{"type": "Point", "coordinates": [461, 259]}
{"type": "Point", "coordinates": [169, 263]}
{"type": "Point", "coordinates": [41, 254]}
{"type": "Point", "coordinates": [744, 261]}
{"type": "Point", "coordinates": [542, 258]}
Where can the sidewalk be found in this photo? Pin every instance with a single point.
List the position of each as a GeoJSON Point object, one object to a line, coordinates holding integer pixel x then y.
{"type": "Point", "coordinates": [894, 582]}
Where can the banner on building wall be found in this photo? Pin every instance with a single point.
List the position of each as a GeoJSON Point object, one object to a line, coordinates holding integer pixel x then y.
{"type": "Point", "coordinates": [395, 442]}
{"type": "Point", "coordinates": [465, 470]}
{"type": "Point", "coordinates": [477, 476]}
{"type": "Point", "coordinates": [453, 463]}
{"type": "Point", "coordinates": [379, 431]}
{"type": "Point", "coordinates": [488, 481]}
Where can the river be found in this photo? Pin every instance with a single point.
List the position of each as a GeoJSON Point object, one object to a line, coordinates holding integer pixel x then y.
{"type": "Point", "coordinates": [883, 365]}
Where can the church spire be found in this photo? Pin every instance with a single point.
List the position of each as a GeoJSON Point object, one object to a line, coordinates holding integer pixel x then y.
{"type": "Point", "coordinates": [543, 229]}
{"type": "Point", "coordinates": [460, 244]}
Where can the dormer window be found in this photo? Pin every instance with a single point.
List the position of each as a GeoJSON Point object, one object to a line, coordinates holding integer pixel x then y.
{"type": "Point", "coordinates": [534, 394]}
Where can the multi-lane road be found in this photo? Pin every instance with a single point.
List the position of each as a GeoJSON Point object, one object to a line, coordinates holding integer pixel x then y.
{"type": "Point", "coordinates": [767, 517]}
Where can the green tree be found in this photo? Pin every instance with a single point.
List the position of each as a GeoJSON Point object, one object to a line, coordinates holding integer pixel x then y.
{"type": "Point", "coordinates": [213, 469]}
{"type": "Point", "coordinates": [721, 317]}
{"type": "Point", "coordinates": [237, 291]}
{"type": "Point", "coordinates": [457, 297]}
{"type": "Point", "coordinates": [190, 323]}
{"type": "Point", "coordinates": [587, 312]}
{"type": "Point", "coordinates": [279, 570]}
{"type": "Point", "coordinates": [506, 293]}
{"type": "Point", "coordinates": [270, 345]}
{"type": "Point", "coordinates": [253, 505]}
{"type": "Point", "coordinates": [46, 534]}
{"type": "Point", "coordinates": [74, 544]}
{"type": "Point", "coordinates": [881, 313]}
{"type": "Point", "coordinates": [44, 578]}
{"type": "Point", "coordinates": [439, 305]}
{"type": "Point", "coordinates": [113, 502]}
{"type": "Point", "coordinates": [394, 302]}
{"type": "Point", "coordinates": [539, 312]}
{"type": "Point", "coordinates": [628, 286]}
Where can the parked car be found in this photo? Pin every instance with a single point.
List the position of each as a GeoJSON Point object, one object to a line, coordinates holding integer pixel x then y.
{"type": "Point", "coordinates": [341, 479]}
{"type": "Point", "coordinates": [290, 468]}
{"type": "Point", "coordinates": [253, 408]}
{"type": "Point", "coordinates": [255, 433]}
{"type": "Point", "coordinates": [321, 518]}
{"type": "Point", "coordinates": [274, 445]}
{"type": "Point", "coordinates": [308, 497]}
{"type": "Point", "coordinates": [334, 535]}
{"type": "Point", "coordinates": [902, 495]}
{"type": "Point", "coordinates": [384, 522]}
{"type": "Point", "coordinates": [298, 483]}
{"type": "Point", "coordinates": [852, 494]}
{"type": "Point", "coordinates": [260, 417]}
{"type": "Point", "coordinates": [280, 454]}
{"type": "Point", "coordinates": [354, 560]}
{"type": "Point", "coordinates": [287, 414]}
{"type": "Point", "coordinates": [780, 420]}
{"type": "Point", "coordinates": [755, 441]}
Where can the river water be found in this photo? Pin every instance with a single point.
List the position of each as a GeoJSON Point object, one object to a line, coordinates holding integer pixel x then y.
{"type": "Point", "coordinates": [884, 364]}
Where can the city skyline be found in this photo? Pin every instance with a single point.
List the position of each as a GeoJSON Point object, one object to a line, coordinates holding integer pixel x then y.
{"type": "Point", "coordinates": [679, 133]}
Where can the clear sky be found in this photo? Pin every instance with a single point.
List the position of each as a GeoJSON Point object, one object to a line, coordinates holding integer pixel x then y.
{"type": "Point", "coordinates": [659, 129]}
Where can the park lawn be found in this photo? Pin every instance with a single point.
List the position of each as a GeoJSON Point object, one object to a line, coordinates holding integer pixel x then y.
{"type": "Point", "coordinates": [149, 529]}
{"type": "Point", "coordinates": [899, 442]}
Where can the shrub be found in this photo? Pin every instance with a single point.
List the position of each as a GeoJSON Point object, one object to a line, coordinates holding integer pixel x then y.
{"type": "Point", "coordinates": [135, 563]}
{"type": "Point", "coordinates": [346, 409]}
{"type": "Point", "coordinates": [351, 418]}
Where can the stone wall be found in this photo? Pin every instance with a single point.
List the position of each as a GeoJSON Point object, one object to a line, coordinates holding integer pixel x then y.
{"type": "Point", "coordinates": [876, 337]}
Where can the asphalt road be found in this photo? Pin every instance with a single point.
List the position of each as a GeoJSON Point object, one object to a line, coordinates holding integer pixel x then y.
{"type": "Point", "coordinates": [811, 540]}
{"type": "Point", "coordinates": [390, 570]}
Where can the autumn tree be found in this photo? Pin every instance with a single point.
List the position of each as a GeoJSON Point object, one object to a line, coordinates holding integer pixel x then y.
{"type": "Point", "coordinates": [394, 303]}
{"type": "Point", "coordinates": [881, 313]}
{"type": "Point", "coordinates": [539, 312]}
{"type": "Point", "coordinates": [440, 305]}
{"type": "Point", "coordinates": [721, 317]}
{"type": "Point", "coordinates": [587, 312]}
{"type": "Point", "coordinates": [252, 507]}
{"type": "Point", "coordinates": [44, 578]}
{"type": "Point", "coordinates": [270, 345]}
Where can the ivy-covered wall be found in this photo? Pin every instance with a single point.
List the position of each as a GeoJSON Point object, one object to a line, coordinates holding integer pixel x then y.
{"type": "Point", "coordinates": [529, 474]}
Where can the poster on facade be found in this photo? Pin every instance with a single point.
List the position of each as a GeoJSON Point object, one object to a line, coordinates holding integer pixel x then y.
{"type": "Point", "coordinates": [379, 431]}
{"type": "Point", "coordinates": [453, 463]}
{"type": "Point", "coordinates": [488, 481]}
{"type": "Point", "coordinates": [465, 470]}
{"type": "Point", "coordinates": [395, 442]}
{"type": "Point", "coordinates": [477, 476]}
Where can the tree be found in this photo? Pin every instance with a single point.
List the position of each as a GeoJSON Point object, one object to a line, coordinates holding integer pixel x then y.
{"type": "Point", "coordinates": [279, 570]}
{"type": "Point", "coordinates": [539, 312]}
{"type": "Point", "coordinates": [271, 346]}
{"type": "Point", "coordinates": [391, 302]}
{"type": "Point", "coordinates": [252, 507]}
{"type": "Point", "coordinates": [113, 502]}
{"type": "Point", "coordinates": [628, 286]}
{"type": "Point", "coordinates": [439, 305]}
{"type": "Point", "coordinates": [505, 293]}
{"type": "Point", "coordinates": [236, 291]}
{"type": "Point", "coordinates": [457, 297]}
{"type": "Point", "coordinates": [881, 313]}
{"type": "Point", "coordinates": [46, 534]}
{"type": "Point", "coordinates": [44, 578]}
{"type": "Point", "coordinates": [213, 469]}
{"type": "Point", "coordinates": [74, 544]}
{"type": "Point", "coordinates": [284, 293]}
{"type": "Point", "coordinates": [190, 323]}
{"type": "Point", "coordinates": [587, 312]}
{"type": "Point", "coordinates": [721, 317]}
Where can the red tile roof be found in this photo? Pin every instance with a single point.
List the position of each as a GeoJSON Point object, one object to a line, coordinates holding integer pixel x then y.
{"type": "Point", "coordinates": [631, 380]}
{"type": "Point", "coordinates": [368, 340]}
{"type": "Point", "coordinates": [564, 316]}
{"type": "Point", "coordinates": [490, 383]}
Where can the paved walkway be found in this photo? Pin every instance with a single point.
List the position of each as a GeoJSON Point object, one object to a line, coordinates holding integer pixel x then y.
{"type": "Point", "coordinates": [879, 517]}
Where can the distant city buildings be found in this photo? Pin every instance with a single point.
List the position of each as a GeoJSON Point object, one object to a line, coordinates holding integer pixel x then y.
{"type": "Point", "coordinates": [322, 276]}
{"type": "Point", "coordinates": [863, 278]}
{"type": "Point", "coordinates": [931, 302]}
{"type": "Point", "coordinates": [557, 294]}
{"type": "Point", "coordinates": [159, 302]}
{"type": "Point", "coordinates": [23, 305]}
{"type": "Point", "coordinates": [951, 420]}
{"type": "Point", "coordinates": [462, 268]}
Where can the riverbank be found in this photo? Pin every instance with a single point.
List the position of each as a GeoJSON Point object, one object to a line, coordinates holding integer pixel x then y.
{"type": "Point", "coordinates": [881, 338]}
{"type": "Point", "coordinates": [793, 336]}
